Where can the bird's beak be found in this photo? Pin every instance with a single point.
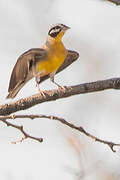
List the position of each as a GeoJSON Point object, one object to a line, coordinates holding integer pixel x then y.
{"type": "Point", "coordinates": [65, 28]}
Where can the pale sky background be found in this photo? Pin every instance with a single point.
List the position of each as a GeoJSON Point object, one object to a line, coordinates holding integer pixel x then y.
{"type": "Point", "coordinates": [95, 34]}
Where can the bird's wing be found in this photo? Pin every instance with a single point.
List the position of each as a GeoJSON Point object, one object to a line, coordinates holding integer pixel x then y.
{"type": "Point", "coordinates": [22, 71]}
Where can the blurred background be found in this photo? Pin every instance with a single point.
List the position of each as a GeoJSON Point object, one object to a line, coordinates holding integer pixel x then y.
{"type": "Point", "coordinates": [64, 154]}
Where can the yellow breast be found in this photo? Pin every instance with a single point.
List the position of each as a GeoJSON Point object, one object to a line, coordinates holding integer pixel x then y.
{"type": "Point", "coordinates": [56, 56]}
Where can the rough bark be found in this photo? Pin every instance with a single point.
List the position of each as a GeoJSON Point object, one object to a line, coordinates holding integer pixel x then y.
{"type": "Point", "coordinates": [55, 94]}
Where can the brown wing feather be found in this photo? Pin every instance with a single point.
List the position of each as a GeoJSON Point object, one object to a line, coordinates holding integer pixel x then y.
{"type": "Point", "coordinates": [19, 73]}
{"type": "Point", "coordinates": [22, 71]}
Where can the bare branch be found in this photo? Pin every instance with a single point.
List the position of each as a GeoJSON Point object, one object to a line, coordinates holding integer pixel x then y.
{"type": "Point", "coordinates": [55, 94]}
{"type": "Point", "coordinates": [20, 128]}
{"type": "Point", "coordinates": [117, 2]}
{"type": "Point", "coordinates": [63, 121]}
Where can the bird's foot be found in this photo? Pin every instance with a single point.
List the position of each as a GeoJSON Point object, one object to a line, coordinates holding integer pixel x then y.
{"type": "Point", "coordinates": [40, 92]}
{"type": "Point", "coordinates": [62, 87]}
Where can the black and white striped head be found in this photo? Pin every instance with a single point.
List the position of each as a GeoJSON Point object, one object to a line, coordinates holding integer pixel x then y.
{"type": "Point", "coordinates": [57, 29]}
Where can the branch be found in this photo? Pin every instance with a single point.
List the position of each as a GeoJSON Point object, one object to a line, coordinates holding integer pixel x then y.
{"type": "Point", "coordinates": [20, 128]}
{"type": "Point", "coordinates": [117, 2]}
{"type": "Point", "coordinates": [55, 94]}
{"type": "Point", "coordinates": [63, 121]}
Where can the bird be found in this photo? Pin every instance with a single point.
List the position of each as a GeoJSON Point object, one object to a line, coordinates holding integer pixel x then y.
{"type": "Point", "coordinates": [39, 62]}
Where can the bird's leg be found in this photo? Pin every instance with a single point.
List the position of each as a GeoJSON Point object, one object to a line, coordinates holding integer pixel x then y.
{"type": "Point", "coordinates": [37, 79]}
{"type": "Point", "coordinates": [52, 79]}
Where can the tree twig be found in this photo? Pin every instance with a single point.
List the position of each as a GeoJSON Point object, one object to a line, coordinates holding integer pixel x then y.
{"type": "Point", "coordinates": [55, 94]}
{"type": "Point", "coordinates": [21, 129]}
{"type": "Point", "coordinates": [63, 121]}
{"type": "Point", "coordinates": [117, 2]}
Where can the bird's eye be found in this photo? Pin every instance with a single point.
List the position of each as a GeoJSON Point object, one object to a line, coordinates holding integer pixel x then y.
{"type": "Point", "coordinates": [53, 32]}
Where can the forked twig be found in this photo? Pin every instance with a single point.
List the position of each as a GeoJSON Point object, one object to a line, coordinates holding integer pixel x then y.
{"type": "Point", "coordinates": [21, 129]}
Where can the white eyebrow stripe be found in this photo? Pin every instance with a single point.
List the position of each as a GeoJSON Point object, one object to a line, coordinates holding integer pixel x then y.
{"type": "Point", "coordinates": [54, 30]}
